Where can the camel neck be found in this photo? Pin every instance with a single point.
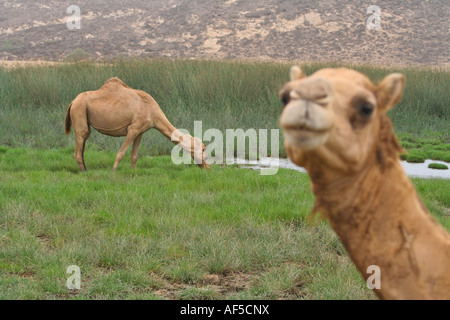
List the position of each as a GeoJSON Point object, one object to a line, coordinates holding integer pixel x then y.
{"type": "Point", "coordinates": [355, 202]}
{"type": "Point", "coordinates": [350, 198]}
{"type": "Point", "coordinates": [381, 221]}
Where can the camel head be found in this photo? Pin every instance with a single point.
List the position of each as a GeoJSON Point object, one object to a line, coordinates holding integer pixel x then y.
{"type": "Point", "coordinates": [199, 154]}
{"type": "Point", "coordinates": [333, 118]}
{"type": "Point", "coordinates": [194, 146]}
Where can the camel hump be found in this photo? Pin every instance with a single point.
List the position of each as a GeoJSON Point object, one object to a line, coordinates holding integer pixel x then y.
{"type": "Point", "coordinates": [115, 81]}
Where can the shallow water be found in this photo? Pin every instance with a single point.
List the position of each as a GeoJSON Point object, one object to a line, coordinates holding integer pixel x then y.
{"type": "Point", "coordinates": [413, 170]}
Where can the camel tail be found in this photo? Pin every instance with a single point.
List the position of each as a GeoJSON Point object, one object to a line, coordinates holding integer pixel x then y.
{"type": "Point", "coordinates": [68, 120]}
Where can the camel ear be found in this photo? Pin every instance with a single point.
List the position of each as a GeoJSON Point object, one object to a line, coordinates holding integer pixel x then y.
{"type": "Point", "coordinates": [390, 91]}
{"type": "Point", "coordinates": [296, 73]}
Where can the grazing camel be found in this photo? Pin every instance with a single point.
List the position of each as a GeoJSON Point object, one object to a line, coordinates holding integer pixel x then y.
{"type": "Point", "coordinates": [118, 110]}
{"type": "Point", "coordinates": [335, 125]}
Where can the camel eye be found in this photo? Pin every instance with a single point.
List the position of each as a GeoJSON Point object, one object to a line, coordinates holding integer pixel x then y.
{"type": "Point", "coordinates": [285, 99]}
{"type": "Point", "coordinates": [285, 96]}
{"type": "Point", "coordinates": [366, 109]}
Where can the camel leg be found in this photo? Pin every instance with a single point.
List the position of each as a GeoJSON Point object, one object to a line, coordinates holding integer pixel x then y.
{"type": "Point", "coordinates": [134, 152]}
{"type": "Point", "coordinates": [131, 136]}
{"type": "Point", "coordinates": [80, 143]}
{"type": "Point", "coordinates": [82, 131]}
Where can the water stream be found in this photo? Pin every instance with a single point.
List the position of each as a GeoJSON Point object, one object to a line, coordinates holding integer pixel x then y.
{"type": "Point", "coordinates": [413, 170]}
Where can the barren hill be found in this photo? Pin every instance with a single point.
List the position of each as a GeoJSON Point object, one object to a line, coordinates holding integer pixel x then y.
{"type": "Point", "coordinates": [412, 32]}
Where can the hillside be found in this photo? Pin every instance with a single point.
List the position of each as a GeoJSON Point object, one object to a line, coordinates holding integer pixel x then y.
{"type": "Point", "coordinates": [412, 32]}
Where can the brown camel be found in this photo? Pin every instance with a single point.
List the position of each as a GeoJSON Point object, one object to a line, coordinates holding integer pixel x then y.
{"type": "Point", "coordinates": [335, 125]}
{"type": "Point", "coordinates": [118, 110]}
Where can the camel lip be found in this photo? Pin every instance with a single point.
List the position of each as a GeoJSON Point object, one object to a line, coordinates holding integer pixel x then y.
{"type": "Point", "coordinates": [303, 128]}
{"type": "Point", "coordinates": [306, 139]}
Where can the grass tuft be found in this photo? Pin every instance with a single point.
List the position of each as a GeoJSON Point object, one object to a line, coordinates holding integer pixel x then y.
{"type": "Point", "coordinates": [438, 166]}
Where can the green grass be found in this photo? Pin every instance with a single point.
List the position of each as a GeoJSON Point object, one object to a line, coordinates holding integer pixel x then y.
{"type": "Point", "coordinates": [161, 231]}
{"type": "Point", "coordinates": [438, 166]}
{"type": "Point", "coordinates": [222, 94]}
{"type": "Point", "coordinates": [419, 149]}
{"type": "Point", "coordinates": [158, 232]}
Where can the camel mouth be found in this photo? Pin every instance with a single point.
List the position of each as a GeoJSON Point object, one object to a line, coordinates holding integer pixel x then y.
{"type": "Point", "coordinates": [299, 128]}
{"type": "Point", "coordinates": [302, 133]}
{"type": "Point", "coordinates": [201, 159]}
{"type": "Point", "coordinates": [306, 125]}
{"type": "Point", "coordinates": [305, 117]}
{"type": "Point", "coordinates": [305, 137]}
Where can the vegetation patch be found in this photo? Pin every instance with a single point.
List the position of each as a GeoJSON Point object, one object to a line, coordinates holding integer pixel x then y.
{"type": "Point", "coordinates": [415, 156]}
{"type": "Point", "coordinates": [436, 147]}
{"type": "Point", "coordinates": [11, 44]}
{"type": "Point", "coordinates": [77, 55]}
{"type": "Point", "coordinates": [438, 166]}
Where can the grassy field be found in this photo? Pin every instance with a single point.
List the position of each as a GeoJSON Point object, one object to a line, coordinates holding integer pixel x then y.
{"type": "Point", "coordinates": [221, 94]}
{"type": "Point", "coordinates": [176, 232]}
{"type": "Point", "coordinates": [169, 232]}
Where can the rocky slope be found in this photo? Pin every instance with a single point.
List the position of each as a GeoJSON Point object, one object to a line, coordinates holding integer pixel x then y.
{"type": "Point", "coordinates": [413, 32]}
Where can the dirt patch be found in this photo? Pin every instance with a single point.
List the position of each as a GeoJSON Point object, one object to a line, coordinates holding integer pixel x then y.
{"type": "Point", "coordinates": [45, 242]}
{"type": "Point", "coordinates": [224, 285]}
{"type": "Point", "coordinates": [229, 282]}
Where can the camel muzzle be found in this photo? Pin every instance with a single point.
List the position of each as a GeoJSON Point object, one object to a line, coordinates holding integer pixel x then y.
{"type": "Point", "coordinates": [306, 124]}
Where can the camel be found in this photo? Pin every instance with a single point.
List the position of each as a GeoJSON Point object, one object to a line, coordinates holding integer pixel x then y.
{"type": "Point", "coordinates": [335, 125]}
{"type": "Point", "coordinates": [118, 110]}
